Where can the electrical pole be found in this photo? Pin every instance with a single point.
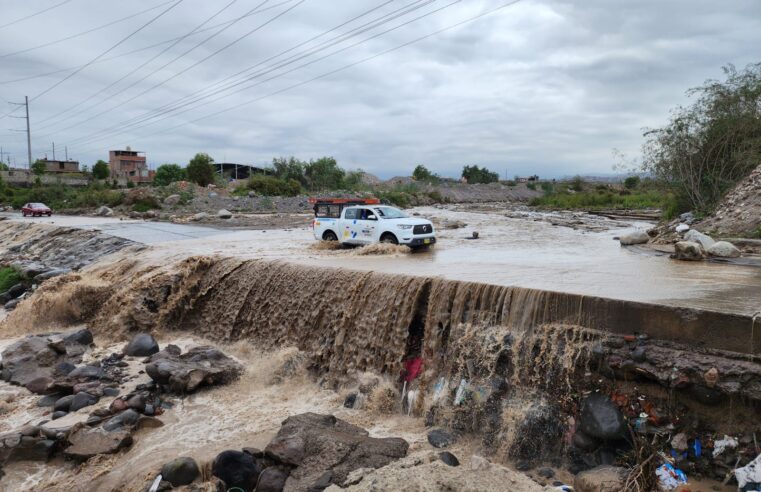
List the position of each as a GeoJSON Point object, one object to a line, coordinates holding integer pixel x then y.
{"type": "Point", "coordinates": [53, 150]}
{"type": "Point", "coordinates": [66, 151]}
{"type": "Point", "coordinates": [28, 132]}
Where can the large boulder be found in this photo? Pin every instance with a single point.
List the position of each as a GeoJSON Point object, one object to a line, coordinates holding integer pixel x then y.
{"type": "Point", "coordinates": [723, 249]}
{"type": "Point", "coordinates": [236, 469]}
{"type": "Point", "coordinates": [172, 200]}
{"type": "Point", "coordinates": [141, 345]}
{"type": "Point", "coordinates": [600, 479]}
{"type": "Point", "coordinates": [601, 418]}
{"type": "Point", "coordinates": [688, 251]}
{"type": "Point", "coordinates": [180, 471]}
{"type": "Point", "coordinates": [634, 237]}
{"type": "Point", "coordinates": [35, 361]}
{"type": "Point", "coordinates": [696, 236]}
{"type": "Point", "coordinates": [88, 442]}
{"type": "Point", "coordinates": [224, 214]}
{"type": "Point", "coordinates": [25, 445]}
{"type": "Point", "coordinates": [104, 211]}
{"type": "Point", "coordinates": [324, 449]}
{"type": "Point", "coordinates": [199, 366]}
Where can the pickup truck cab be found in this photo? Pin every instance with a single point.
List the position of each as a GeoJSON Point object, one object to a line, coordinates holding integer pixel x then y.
{"type": "Point", "coordinates": [361, 224]}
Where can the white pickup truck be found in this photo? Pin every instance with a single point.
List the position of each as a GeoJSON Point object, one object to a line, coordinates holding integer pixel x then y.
{"type": "Point", "coordinates": [370, 223]}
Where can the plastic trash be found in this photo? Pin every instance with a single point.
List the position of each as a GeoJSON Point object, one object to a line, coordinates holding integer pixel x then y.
{"type": "Point", "coordinates": [669, 477]}
{"type": "Point", "coordinates": [697, 448]}
{"type": "Point", "coordinates": [460, 395]}
{"type": "Point", "coordinates": [438, 389]}
{"type": "Point", "coordinates": [750, 473]}
{"type": "Point", "coordinates": [721, 445]}
{"type": "Point", "coordinates": [155, 485]}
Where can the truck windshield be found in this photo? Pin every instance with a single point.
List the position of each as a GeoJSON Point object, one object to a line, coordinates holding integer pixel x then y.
{"type": "Point", "coordinates": [390, 213]}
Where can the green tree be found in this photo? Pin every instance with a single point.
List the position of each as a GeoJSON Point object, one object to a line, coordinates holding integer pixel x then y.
{"type": "Point", "coordinates": [421, 173]}
{"type": "Point", "coordinates": [169, 173]}
{"type": "Point", "coordinates": [475, 174]}
{"type": "Point", "coordinates": [706, 148]}
{"type": "Point", "coordinates": [3, 166]}
{"type": "Point", "coordinates": [577, 184]}
{"type": "Point", "coordinates": [100, 170]}
{"type": "Point", "coordinates": [200, 169]}
{"type": "Point", "coordinates": [39, 167]}
{"type": "Point", "coordinates": [324, 174]}
{"type": "Point", "coordinates": [290, 168]}
{"type": "Point", "coordinates": [631, 182]}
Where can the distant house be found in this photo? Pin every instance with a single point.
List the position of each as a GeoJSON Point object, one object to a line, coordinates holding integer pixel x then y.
{"type": "Point", "coordinates": [54, 166]}
{"type": "Point", "coordinates": [129, 164]}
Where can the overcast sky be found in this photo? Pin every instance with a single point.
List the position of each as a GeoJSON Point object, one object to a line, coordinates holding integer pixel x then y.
{"type": "Point", "coordinates": [541, 86]}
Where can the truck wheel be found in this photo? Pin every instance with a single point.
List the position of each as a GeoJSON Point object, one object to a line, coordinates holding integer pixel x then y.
{"type": "Point", "coordinates": [389, 238]}
{"type": "Point", "coordinates": [329, 236]}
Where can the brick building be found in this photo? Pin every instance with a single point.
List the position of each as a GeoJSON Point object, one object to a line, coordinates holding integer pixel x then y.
{"type": "Point", "coordinates": [129, 164]}
{"type": "Point", "coordinates": [54, 166]}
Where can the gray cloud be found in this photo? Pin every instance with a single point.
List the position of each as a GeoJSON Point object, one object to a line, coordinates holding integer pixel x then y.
{"type": "Point", "coordinates": [542, 86]}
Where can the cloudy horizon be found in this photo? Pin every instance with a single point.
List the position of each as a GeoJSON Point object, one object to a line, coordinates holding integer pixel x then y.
{"type": "Point", "coordinates": [537, 87]}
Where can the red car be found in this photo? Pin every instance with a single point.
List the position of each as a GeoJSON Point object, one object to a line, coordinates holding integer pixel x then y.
{"type": "Point", "coordinates": [36, 209]}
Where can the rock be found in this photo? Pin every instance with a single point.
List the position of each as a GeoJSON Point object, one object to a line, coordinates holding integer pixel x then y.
{"type": "Point", "coordinates": [601, 418]}
{"type": "Point", "coordinates": [48, 400]}
{"type": "Point", "coordinates": [687, 217]}
{"type": "Point", "coordinates": [688, 250]}
{"type": "Point", "coordinates": [82, 400]}
{"type": "Point", "coordinates": [449, 458]}
{"type": "Point", "coordinates": [110, 392]}
{"type": "Point", "coordinates": [136, 402]}
{"type": "Point", "coordinates": [128, 418]}
{"type": "Point", "coordinates": [199, 366]}
{"type": "Point", "coordinates": [452, 224]}
{"type": "Point", "coordinates": [17, 446]}
{"type": "Point", "coordinates": [11, 305]}
{"type": "Point", "coordinates": [34, 360]}
{"type": "Point", "coordinates": [583, 441]}
{"type": "Point", "coordinates": [64, 403]}
{"type": "Point", "coordinates": [723, 249]}
{"type": "Point", "coordinates": [439, 438]}
{"type": "Point", "coordinates": [350, 400]}
{"type": "Point", "coordinates": [682, 228]}
{"type": "Point", "coordinates": [546, 472]}
{"type": "Point", "coordinates": [679, 442]}
{"type": "Point", "coordinates": [639, 354]}
{"type": "Point", "coordinates": [82, 337]}
{"type": "Point", "coordinates": [15, 291]}
{"type": "Point", "coordinates": [272, 479]}
{"type": "Point", "coordinates": [224, 214]}
{"type": "Point", "coordinates": [236, 469]}
{"type": "Point", "coordinates": [711, 377]}
{"type": "Point", "coordinates": [600, 479]}
{"type": "Point", "coordinates": [199, 216]}
{"type": "Point", "coordinates": [180, 471]}
{"type": "Point", "coordinates": [104, 211]}
{"type": "Point", "coordinates": [56, 272]}
{"type": "Point", "coordinates": [538, 434]}
{"type": "Point", "coordinates": [86, 372]}
{"type": "Point", "coordinates": [318, 444]}
{"type": "Point", "coordinates": [634, 237]}
{"type": "Point", "coordinates": [141, 345]}
{"type": "Point", "coordinates": [698, 237]}
{"type": "Point", "coordinates": [58, 414]}
{"type": "Point", "coordinates": [172, 200]}
{"type": "Point", "coordinates": [86, 442]}
{"type": "Point", "coordinates": [251, 194]}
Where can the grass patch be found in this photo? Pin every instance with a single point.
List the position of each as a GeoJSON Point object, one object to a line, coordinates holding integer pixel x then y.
{"type": "Point", "coordinates": [8, 278]}
{"type": "Point", "coordinates": [600, 199]}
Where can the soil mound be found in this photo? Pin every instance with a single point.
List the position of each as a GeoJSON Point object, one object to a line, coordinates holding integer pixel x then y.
{"type": "Point", "coordinates": [739, 213]}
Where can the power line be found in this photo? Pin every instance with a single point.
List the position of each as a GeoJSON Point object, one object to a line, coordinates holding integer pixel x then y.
{"type": "Point", "coordinates": [175, 43]}
{"type": "Point", "coordinates": [327, 44]}
{"type": "Point", "coordinates": [35, 14]}
{"type": "Point", "coordinates": [137, 122]}
{"type": "Point", "coordinates": [83, 33]}
{"type": "Point", "coordinates": [108, 50]}
{"type": "Point", "coordinates": [344, 67]}
{"type": "Point", "coordinates": [138, 50]}
{"type": "Point", "coordinates": [234, 75]}
{"type": "Point", "coordinates": [175, 75]}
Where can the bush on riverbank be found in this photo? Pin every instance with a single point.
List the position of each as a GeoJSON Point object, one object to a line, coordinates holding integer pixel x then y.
{"type": "Point", "coordinates": [60, 197]}
{"type": "Point", "coordinates": [8, 278]}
